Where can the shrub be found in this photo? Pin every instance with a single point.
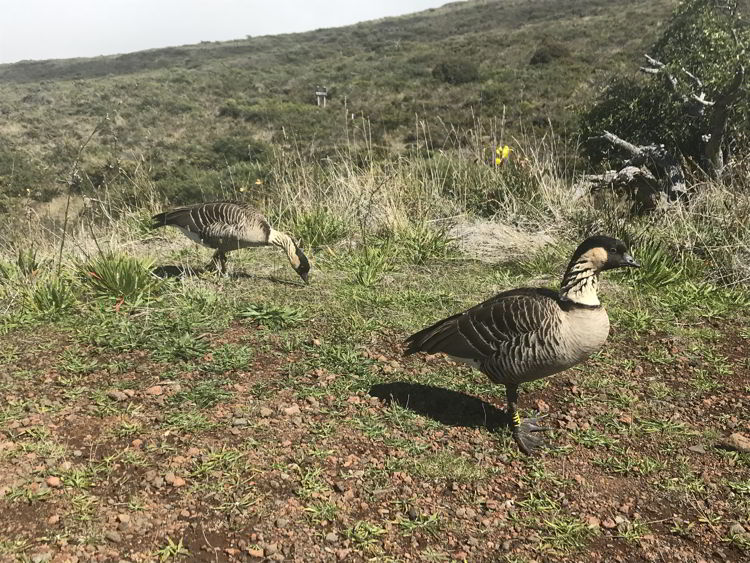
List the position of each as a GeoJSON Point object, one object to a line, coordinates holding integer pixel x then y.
{"type": "Point", "coordinates": [547, 52]}
{"type": "Point", "coordinates": [237, 148]}
{"type": "Point", "coordinates": [456, 71]}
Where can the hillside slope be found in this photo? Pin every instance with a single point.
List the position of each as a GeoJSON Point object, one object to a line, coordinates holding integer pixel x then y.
{"type": "Point", "coordinates": [187, 113]}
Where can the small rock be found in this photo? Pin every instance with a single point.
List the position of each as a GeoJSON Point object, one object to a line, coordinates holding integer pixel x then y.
{"type": "Point", "coordinates": [270, 549]}
{"type": "Point", "coordinates": [699, 449]}
{"type": "Point", "coordinates": [608, 523]}
{"type": "Point", "coordinates": [54, 519]}
{"type": "Point", "coordinates": [136, 443]}
{"type": "Point", "coordinates": [281, 522]}
{"type": "Point", "coordinates": [174, 480]}
{"type": "Point", "coordinates": [113, 536]}
{"type": "Point", "coordinates": [265, 412]}
{"type": "Point", "coordinates": [41, 557]}
{"type": "Point", "coordinates": [738, 442]}
{"type": "Point", "coordinates": [123, 517]}
{"type": "Point", "coordinates": [291, 411]}
{"type": "Point", "coordinates": [332, 537]}
{"type": "Point", "coordinates": [154, 390]}
{"type": "Point", "coordinates": [507, 545]}
{"type": "Point", "coordinates": [117, 395]}
{"type": "Point", "coordinates": [736, 529]}
{"type": "Point", "coordinates": [255, 552]}
{"type": "Point", "coordinates": [413, 513]}
{"type": "Point", "coordinates": [53, 482]}
{"type": "Point", "coordinates": [593, 522]}
{"type": "Point", "coordinates": [339, 486]}
{"type": "Point", "coordinates": [239, 422]}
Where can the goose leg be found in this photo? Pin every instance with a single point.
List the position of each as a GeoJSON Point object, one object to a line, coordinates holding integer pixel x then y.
{"type": "Point", "coordinates": [218, 262]}
{"type": "Point", "coordinates": [524, 433]}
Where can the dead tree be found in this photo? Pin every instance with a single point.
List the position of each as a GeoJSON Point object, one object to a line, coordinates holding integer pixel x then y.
{"type": "Point", "coordinates": [651, 174]}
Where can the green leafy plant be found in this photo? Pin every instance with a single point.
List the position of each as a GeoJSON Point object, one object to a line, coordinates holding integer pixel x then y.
{"type": "Point", "coordinates": [121, 277]}
{"type": "Point", "coordinates": [421, 242]}
{"type": "Point", "coordinates": [273, 316]}
{"type": "Point", "coordinates": [370, 263]}
{"type": "Point", "coordinates": [204, 394]}
{"type": "Point", "coordinates": [52, 297]}
{"type": "Point", "coordinates": [319, 227]}
{"type": "Point", "coordinates": [659, 265]}
{"type": "Point", "coordinates": [26, 265]}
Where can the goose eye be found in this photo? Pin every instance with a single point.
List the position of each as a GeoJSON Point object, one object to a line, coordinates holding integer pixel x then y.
{"type": "Point", "coordinates": [613, 250]}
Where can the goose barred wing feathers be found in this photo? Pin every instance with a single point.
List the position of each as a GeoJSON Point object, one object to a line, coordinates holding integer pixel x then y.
{"type": "Point", "coordinates": [214, 223]}
{"type": "Point", "coordinates": [510, 337]}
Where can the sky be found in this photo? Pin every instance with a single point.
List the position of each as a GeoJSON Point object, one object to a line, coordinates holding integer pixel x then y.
{"type": "Point", "coordinates": [54, 29]}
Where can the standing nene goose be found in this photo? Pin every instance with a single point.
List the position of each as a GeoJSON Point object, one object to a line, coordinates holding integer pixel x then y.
{"type": "Point", "coordinates": [529, 333]}
{"type": "Point", "coordinates": [228, 226]}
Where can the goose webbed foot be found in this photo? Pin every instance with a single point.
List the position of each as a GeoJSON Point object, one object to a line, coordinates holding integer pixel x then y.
{"type": "Point", "coordinates": [218, 264]}
{"type": "Point", "coordinates": [528, 436]}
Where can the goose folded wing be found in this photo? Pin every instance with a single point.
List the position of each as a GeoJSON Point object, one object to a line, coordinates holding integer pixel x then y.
{"type": "Point", "coordinates": [499, 323]}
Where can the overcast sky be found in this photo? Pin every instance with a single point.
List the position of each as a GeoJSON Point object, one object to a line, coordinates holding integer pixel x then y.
{"type": "Point", "coordinates": [52, 29]}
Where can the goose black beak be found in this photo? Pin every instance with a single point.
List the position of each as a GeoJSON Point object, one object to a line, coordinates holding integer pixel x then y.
{"type": "Point", "coordinates": [304, 278]}
{"type": "Point", "coordinates": [628, 260]}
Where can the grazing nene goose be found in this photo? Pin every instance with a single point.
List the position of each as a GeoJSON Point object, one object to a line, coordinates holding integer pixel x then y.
{"type": "Point", "coordinates": [526, 334]}
{"type": "Point", "coordinates": [228, 226]}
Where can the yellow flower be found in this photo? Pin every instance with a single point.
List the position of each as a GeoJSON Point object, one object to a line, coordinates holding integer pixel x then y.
{"type": "Point", "coordinates": [504, 152]}
{"type": "Point", "coordinates": [258, 182]}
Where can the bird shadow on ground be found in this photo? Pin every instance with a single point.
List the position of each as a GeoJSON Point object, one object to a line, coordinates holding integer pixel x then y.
{"type": "Point", "coordinates": [174, 271]}
{"type": "Point", "coordinates": [451, 408]}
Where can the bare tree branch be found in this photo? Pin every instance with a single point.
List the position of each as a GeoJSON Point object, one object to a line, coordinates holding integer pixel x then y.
{"type": "Point", "coordinates": [655, 161]}
{"type": "Point", "coordinates": [658, 67]}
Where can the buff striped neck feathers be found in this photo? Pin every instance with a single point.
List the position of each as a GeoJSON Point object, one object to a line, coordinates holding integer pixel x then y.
{"type": "Point", "coordinates": [297, 258]}
{"type": "Point", "coordinates": [594, 255]}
